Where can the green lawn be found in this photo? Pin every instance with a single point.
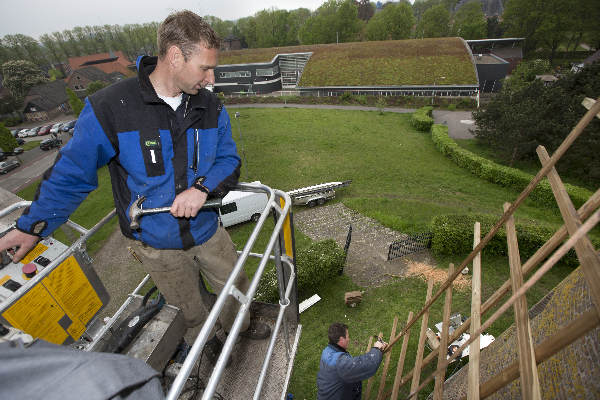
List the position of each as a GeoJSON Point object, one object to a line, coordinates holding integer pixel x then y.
{"type": "Point", "coordinates": [399, 178]}
{"type": "Point", "coordinates": [31, 145]}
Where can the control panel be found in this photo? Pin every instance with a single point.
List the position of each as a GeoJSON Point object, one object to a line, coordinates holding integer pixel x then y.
{"type": "Point", "coordinates": [58, 307]}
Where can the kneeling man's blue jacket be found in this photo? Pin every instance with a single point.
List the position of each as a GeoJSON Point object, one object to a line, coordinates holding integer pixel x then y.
{"type": "Point", "coordinates": [340, 374]}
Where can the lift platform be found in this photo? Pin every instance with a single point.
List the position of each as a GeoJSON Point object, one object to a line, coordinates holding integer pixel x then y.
{"type": "Point", "coordinates": [260, 369]}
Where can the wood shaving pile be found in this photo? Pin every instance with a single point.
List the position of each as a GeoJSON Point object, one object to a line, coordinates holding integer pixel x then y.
{"type": "Point", "coordinates": [462, 282]}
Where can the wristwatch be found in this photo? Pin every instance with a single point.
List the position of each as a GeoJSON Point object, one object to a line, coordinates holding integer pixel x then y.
{"type": "Point", "coordinates": [198, 184]}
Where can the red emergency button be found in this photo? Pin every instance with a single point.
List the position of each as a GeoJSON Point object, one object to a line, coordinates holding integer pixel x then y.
{"type": "Point", "coordinates": [29, 270]}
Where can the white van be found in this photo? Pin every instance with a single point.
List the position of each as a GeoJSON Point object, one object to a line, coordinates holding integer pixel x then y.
{"type": "Point", "coordinates": [240, 207]}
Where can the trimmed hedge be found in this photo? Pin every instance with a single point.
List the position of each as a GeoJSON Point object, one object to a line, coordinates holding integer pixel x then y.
{"type": "Point", "coordinates": [453, 234]}
{"type": "Point", "coordinates": [318, 263]}
{"type": "Point", "coordinates": [500, 174]}
{"type": "Point", "coordinates": [421, 119]}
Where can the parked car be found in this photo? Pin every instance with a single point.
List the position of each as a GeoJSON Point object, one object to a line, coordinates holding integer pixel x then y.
{"type": "Point", "coordinates": [50, 143]}
{"type": "Point", "coordinates": [14, 132]}
{"type": "Point", "coordinates": [20, 142]}
{"type": "Point", "coordinates": [17, 150]}
{"type": "Point", "coordinates": [44, 130]}
{"type": "Point", "coordinates": [67, 126]}
{"type": "Point", "coordinates": [56, 128]}
{"type": "Point", "coordinates": [6, 166]}
{"type": "Point", "coordinates": [23, 133]}
{"type": "Point", "coordinates": [33, 131]}
{"type": "Point", "coordinates": [3, 156]}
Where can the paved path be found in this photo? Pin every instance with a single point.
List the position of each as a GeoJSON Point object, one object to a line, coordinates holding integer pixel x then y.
{"type": "Point", "coordinates": [367, 263]}
{"type": "Point", "coordinates": [459, 122]}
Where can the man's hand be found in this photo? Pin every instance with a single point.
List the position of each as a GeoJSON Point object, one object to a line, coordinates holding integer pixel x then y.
{"type": "Point", "coordinates": [188, 202]}
{"type": "Point", "coordinates": [380, 344]}
{"type": "Point", "coordinates": [22, 240]}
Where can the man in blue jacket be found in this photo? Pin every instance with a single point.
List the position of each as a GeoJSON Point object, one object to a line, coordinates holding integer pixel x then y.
{"type": "Point", "coordinates": [340, 375]}
{"type": "Point", "coordinates": [165, 137]}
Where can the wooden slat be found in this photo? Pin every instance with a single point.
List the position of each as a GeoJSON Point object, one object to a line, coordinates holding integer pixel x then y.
{"type": "Point", "coordinates": [386, 364]}
{"type": "Point", "coordinates": [588, 103]}
{"type": "Point", "coordinates": [441, 364]}
{"type": "Point", "coordinates": [541, 254]}
{"type": "Point", "coordinates": [419, 358]}
{"type": "Point", "coordinates": [400, 365]}
{"type": "Point", "coordinates": [370, 381]}
{"type": "Point", "coordinates": [473, 374]}
{"type": "Point", "coordinates": [530, 385]}
{"type": "Point", "coordinates": [591, 222]}
{"type": "Point", "coordinates": [558, 341]}
{"type": "Point", "coordinates": [560, 151]}
{"type": "Point", "coordinates": [587, 255]}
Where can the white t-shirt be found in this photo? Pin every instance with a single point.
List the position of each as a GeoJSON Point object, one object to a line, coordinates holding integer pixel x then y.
{"type": "Point", "coordinates": [174, 102]}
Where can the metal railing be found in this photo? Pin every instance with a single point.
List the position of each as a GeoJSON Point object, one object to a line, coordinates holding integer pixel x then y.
{"type": "Point", "coordinates": [273, 252]}
{"type": "Point", "coordinates": [245, 299]}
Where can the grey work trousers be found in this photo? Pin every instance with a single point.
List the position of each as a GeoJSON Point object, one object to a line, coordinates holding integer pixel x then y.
{"type": "Point", "coordinates": [176, 273]}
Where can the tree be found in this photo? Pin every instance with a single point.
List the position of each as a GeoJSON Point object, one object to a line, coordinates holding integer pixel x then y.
{"type": "Point", "coordinates": [335, 21]}
{"type": "Point", "coordinates": [55, 74]}
{"type": "Point", "coordinates": [435, 22]}
{"type": "Point", "coordinates": [75, 102]}
{"type": "Point", "coordinates": [494, 29]}
{"type": "Point", "coordinates": [7, 141]}
{"type": "Point", "coordinates": [20, 76]}
{"type": "Point", "coordinates": [516, 121]}
{"type": "Point", "coordinates": [394, 22]}
{"type": "Point", "coordinates": [470, 22]}
{"type": "Point", "coordinates": [366, 9]}
{"type": "Point", "coordinates": [548, 24]}
{"type": "Point", "coordinates": [94, 87]}
{"type": "Point", "coordinates": [525, 73]}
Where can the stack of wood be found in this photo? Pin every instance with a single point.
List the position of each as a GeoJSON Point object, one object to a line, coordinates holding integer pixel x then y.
{"type": "Point", "coordinates": [352, 299]}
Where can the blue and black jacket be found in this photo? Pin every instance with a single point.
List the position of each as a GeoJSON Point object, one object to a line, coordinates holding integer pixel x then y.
{"type": "Point", "coordinates": [151, 151]}
{"type": "Point", "coordinates": [340, 375]}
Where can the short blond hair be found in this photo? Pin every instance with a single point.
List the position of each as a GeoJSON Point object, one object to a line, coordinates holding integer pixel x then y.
{"type": "Point", "coordinates": [185, 30]}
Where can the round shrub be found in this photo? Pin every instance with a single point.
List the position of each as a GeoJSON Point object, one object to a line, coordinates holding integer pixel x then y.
{"type": "Point", "coordinates": [316, 264]}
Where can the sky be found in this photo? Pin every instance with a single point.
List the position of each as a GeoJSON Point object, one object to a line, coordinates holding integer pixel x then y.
{"type": "Point", "coordinates": [36, 17]}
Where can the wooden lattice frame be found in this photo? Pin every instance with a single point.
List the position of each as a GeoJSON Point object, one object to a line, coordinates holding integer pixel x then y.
{"type": "Point", "coordinates": [575, 229]}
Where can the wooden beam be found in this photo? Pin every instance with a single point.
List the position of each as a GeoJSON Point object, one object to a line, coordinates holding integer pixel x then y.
{"type": "Point", "coordinates": [530, 385]}
{"type": "Point", "coordinates": [555, 343]}
{"type": "Point", "coordinates": [370, 381]}
{"type": "Point", "coordinates": [562, 250]}
{"type": "Point", "coordinates": [587, 255]}
{"type": "Point", "coordinates": [564, 146]}
{"type": "Point", "coordinates": [419, 358]}
{"type": "Point", "coordinates": [541, 254]}
{"type": "Point", "coordinates": [473, 374]}
{"type": "Point", "coordinates": [441, 364]}
{"type": "Point", "coordinates": [400, 365]}
{"type": "Point", "coordinates": [386, 363]}
{"type": "Point", "coordinates": [588, 103]}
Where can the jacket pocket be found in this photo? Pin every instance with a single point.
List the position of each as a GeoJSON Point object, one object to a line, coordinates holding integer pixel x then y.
{"type": "Point", "coordinates": [151, 147]}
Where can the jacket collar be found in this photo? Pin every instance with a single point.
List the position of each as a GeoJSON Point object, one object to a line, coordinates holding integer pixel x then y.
{"type": "Point", "coordinates": [146, 65]}
{"type": "Point", "coordinates": [338, 348]}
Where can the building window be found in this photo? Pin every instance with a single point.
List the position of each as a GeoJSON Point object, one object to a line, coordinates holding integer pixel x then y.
{"type": "Point", "coordinates": [235, 74]}
{"type": "Point", "coordinates": [267, 71]}
{"type": "Point", "coordinates": [228, 208]}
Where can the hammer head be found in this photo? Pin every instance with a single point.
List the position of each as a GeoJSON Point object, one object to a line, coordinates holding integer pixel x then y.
{"type": "Point", "coordinates": [135, 211]}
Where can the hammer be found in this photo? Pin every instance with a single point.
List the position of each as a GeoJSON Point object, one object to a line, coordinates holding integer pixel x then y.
{"type": "Point", "coordinates": [136, 211]}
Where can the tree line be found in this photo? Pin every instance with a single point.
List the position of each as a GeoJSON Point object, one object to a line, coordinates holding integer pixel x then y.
{"type": "Point", "coordinates": [548, 25]}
